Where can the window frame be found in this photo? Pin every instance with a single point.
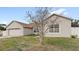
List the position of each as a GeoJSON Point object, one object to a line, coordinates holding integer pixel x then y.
{"type": "Point", "coordinates": [54, 28]}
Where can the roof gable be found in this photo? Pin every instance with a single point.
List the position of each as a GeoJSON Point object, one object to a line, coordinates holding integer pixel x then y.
{"type": "Point", "coordinates": [12, 23]}
{"type": "Point", "coordinates": [59, 16]}
{"type": "Point", "coordinates": [22, 24]}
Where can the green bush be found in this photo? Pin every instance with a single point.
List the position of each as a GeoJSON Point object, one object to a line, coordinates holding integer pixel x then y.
{"type": "Point", "coordinates": [73, 36]}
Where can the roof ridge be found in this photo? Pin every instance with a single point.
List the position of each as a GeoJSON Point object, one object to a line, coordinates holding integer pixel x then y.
{"type": "Point", "coordinates": [20, 22]}
{"type": "Point", "coordinates": [63, 15]}
{"type": "Point", "coordinates": [60, 16]}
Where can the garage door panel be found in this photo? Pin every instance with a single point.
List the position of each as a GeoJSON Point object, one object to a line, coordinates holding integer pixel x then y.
{"type": "Point", "coordinates": [15, 32]}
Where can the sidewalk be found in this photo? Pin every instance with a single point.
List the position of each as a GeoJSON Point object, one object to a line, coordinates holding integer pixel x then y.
{"type": "Point", "coordinates": [4, 37]}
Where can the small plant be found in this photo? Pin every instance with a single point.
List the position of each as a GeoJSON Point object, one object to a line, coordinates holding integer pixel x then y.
{"type": "Point", "coordinates": [73, 36]}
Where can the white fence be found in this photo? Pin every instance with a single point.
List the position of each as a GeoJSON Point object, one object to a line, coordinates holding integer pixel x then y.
{"type": "Point", "coordinates": [75, 31]}
{"type": "Point", "coordinates": [4, 33]}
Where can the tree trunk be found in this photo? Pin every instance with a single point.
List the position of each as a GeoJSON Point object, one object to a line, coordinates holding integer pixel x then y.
{"type": "Point", "coordinates": [41, 38]}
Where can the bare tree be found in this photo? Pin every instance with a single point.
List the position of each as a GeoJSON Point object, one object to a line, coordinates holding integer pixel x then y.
{"type": "Point", "coordinates": [40, 21]}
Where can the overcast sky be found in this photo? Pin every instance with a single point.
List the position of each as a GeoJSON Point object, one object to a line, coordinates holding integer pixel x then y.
{"type": "Point", "coordinates": [7, 14]}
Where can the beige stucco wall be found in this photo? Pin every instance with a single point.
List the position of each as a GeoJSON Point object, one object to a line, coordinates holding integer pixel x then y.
{"type": "Point", "coordinates": [27, 31]}
{"type": "Point", "coordinates": [64, 27]}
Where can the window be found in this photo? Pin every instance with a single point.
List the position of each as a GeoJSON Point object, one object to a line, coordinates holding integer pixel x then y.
{"type": "Point", "coordinates": [54, 28]}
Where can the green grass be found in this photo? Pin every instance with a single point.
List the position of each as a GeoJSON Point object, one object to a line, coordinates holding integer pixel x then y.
{"type": "Point", "coordinates": [63, 43]}
{"type": "Point", "coordinates": [30, 43]}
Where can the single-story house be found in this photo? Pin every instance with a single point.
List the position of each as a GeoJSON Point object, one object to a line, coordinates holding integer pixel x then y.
{"type": "Point", "coordinates": [61, 27]}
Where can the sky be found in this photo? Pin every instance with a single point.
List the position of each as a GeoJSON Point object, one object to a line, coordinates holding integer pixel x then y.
{"type": "Point", "coordinates": [8, 14]}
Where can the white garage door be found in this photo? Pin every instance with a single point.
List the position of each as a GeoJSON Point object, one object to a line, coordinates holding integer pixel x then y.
{"type": "Point", "coordinates": [15, 32]}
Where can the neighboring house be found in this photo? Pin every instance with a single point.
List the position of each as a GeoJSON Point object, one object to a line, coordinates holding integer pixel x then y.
{"type": "Point", "coordinates": [58, 26]}
{"type": "Point", "coordinates": [16, 28]}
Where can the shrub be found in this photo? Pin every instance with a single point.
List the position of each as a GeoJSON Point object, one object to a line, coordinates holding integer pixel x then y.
{"type": "Point", "coordinates": [73, 36]}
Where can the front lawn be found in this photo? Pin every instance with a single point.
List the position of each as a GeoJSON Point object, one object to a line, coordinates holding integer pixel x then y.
{"type": "Point", "coordinates": [30, 43]}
